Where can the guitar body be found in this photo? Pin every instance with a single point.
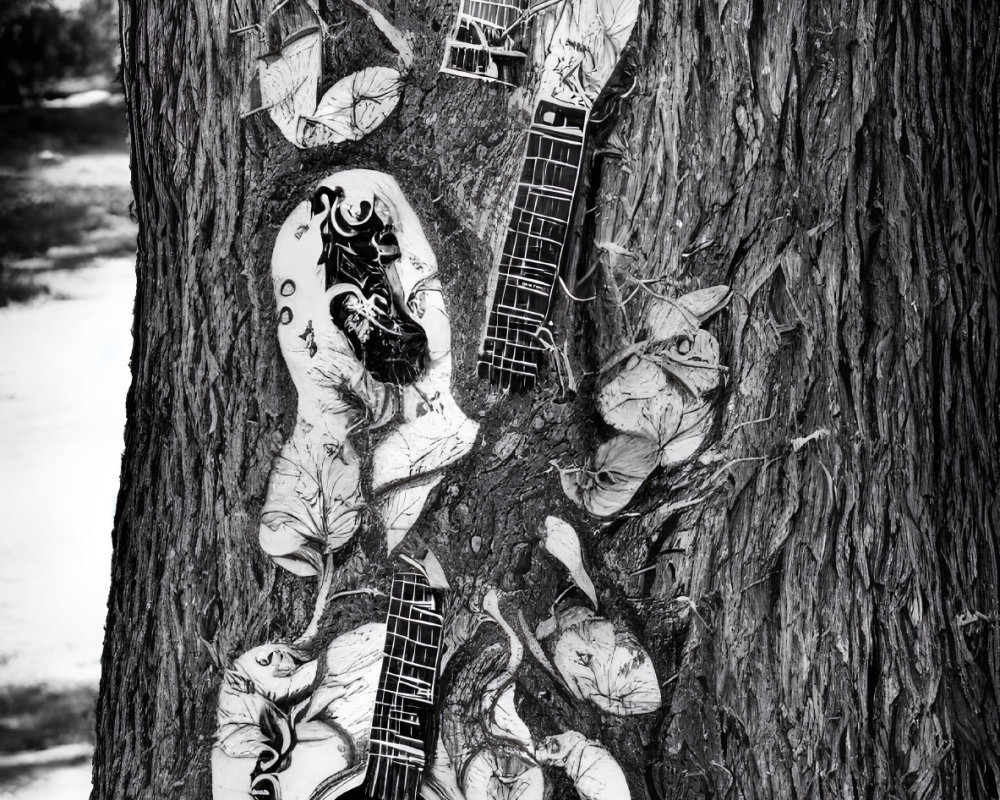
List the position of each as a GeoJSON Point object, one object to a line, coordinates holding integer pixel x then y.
{"type": "Point", "coordinates": [357, 723]}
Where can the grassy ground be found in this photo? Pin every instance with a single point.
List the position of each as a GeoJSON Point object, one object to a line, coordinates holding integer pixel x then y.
{"type": "Point", "coordinates": [57, 225]}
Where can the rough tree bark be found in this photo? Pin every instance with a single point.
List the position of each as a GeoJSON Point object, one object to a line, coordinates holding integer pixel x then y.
{"type": "Point", "coordinates": [818, 588]}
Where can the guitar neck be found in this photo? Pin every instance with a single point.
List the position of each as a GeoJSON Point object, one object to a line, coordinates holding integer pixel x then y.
{"type": "Point", "coordinates": [484, 42]}
{"type": "Point", "coordinates": [534, 246]}
{"type": "Point", "coordinates": [404, 703]}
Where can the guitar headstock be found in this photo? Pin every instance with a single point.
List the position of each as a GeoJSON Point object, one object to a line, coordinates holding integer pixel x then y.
{"type": "Point", "coordinates": [586, 40]}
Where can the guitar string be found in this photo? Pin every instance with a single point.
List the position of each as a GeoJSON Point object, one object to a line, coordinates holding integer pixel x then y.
{"type": "Point", "coordinates": [551, 157]}
{"type": "Point", "coordinates": [415, 600]}
{"type": "Point", "coordinates": [526, 198]}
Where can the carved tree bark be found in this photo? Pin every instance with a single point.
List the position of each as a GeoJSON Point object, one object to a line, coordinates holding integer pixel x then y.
{"type": "Point", "coordinates": [818, 588]}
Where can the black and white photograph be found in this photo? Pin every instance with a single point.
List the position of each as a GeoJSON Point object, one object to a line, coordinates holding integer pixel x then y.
{"type": "Point", "coordinates": [500, 399]}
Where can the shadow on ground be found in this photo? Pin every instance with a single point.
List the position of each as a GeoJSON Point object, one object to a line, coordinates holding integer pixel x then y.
{"type": "Point", "coordinates": [62, 202]}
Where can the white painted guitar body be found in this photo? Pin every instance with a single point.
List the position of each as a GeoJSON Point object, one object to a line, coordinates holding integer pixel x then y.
{"type": "Point", "coordinates": [314, 497]}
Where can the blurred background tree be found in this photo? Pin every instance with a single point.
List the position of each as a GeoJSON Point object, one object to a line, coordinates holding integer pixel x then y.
{"type": "Point", "coordinates": [41, 44]}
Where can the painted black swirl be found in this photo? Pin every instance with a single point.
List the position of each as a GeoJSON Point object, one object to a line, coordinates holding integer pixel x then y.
{"type": "Point", "coordinates": [359, 250]}
{"type": "Point", "coordinates": [279, 741]}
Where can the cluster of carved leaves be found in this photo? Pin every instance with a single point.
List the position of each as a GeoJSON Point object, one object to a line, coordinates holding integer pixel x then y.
{"type": "Point", "coordinates": [349, 110]}
{"type": "Point", "coordinates": [489, 751]}
{"type": "Point", "coordinates": [352, 108]}
{"type": "Point", "coordinates": [655, 396]}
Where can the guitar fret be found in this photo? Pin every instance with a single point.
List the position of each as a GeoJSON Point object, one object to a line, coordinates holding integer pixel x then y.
{"type": "Point", "coordinates": [546, 190]}
{"type": "Point", "coordinates": [518, 333]}
{"type": "Point", "coordinates": [553, 157]}
{"type": "Point", "coordinates": [527, 353]}
{"type": "Point", "coordinates": [400, 724]}
{"type": "Point", "coordinates": [510, 368]}
{"type": "Point", "coordinates": [522, 343]}
{"type": "Point", "coordinates": [536, 270]}
{"type": "Point", "coordinates": [497, 15]}
{"type": "Point", "coordinates": [522, 261]}
{"type": "Point", "coordinates": [511, 297]}
{"type": "Point", "coordinates": [397, 740]}
{"type": "Point", "coordinates": [560, 133]}
{"type": "Point", "coordinates": [416, 613]}
{"type": "Point", "coordinates": [539, 212]}
{"type": "Point", "coordinates": [528, 280]}
{"type": "Point", "coordinates": [412, 664]}
{"type": "Point", "coordinates": [529, 285]}
{"type": "Point", "coordinates": [526, 313]}
{"type": "Point", "coordinates": [405, 637]}
{"type": "Point", "coordinates": [521, 211]}
{"type": "Point", "coordinates": [505, 314]}
{"type": "Point", "coordinates": [540, 239]}
{"type": "Point", "coordinates": [525, 345]}
{"type": "Point", "coordinates": [511, 362]}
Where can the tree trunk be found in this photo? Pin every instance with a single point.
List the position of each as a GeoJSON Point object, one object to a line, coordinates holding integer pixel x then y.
{"type": "Point", "coordinates": [818, 587]}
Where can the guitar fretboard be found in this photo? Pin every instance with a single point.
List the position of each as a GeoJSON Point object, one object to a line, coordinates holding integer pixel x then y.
{"type": "Point", "coordinates": [404, 704]}
{"type": "Point", "coordinates": [484, 41]}
{"type": "Point", "coordinates": [534, 246]}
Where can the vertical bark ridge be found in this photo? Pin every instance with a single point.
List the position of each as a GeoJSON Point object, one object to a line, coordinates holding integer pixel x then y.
{"type": "Point", "coordinates": [826, 572]}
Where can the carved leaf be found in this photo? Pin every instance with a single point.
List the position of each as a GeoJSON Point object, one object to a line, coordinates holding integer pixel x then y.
{"type": "Point", "coordinates": [346, 693]}
{"type": "Point", "coordinates": [593, 770]}
{"type": "Point", "coordinates": [313, 500]}
{"type": "Point", "coordinates": [641, 401]}
{"type": "Point", "coordinates": [563, 543]}
{"type": "Point", "coordinates": [502, 775]}
{"type": "Point", "coordinates": [352, 108]}
{"type": "Point", "coordinates": [440, 781]}
{"type": "Point", "coordinates": [505, 722]}
{"type": "Point", "coordinates": [400, 507]}
{"type": "Point", "coordinates": [289, 80]}
{"type": "Point", "coordinates": [240, 734]}
{"type": "Point", "coordinates": [615, 474]}
{"type": "Point", "coordinates": [586, 46]}
{"type": "Point", "coordinates": [603, 663]}
{"type": "Point", "coordinates": [690, 434]}
{"type": "Point", "coordinates": [666, 319]}
{"type": "Point", "coordinates": [420, 446]}
{"type": "Point", "coordinates": [691, 360]}
{"type": "Point", "coordinates": [258, 680]}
